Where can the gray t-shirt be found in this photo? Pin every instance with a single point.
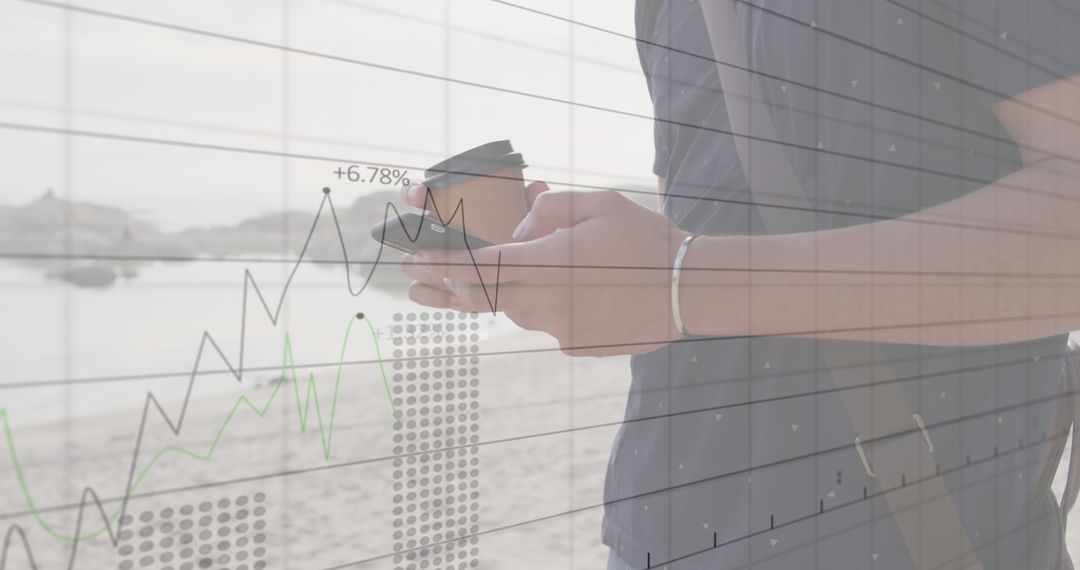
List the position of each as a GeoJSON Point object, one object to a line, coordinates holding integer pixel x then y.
{"type": "Point", "coordinates": [747, 438]}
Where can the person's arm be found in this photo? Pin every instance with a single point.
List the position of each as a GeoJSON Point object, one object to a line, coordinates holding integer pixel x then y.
{"type": "Point", "coordinates": [1001, 264]}
{"type": "Point", "coordinates": [593, 269]}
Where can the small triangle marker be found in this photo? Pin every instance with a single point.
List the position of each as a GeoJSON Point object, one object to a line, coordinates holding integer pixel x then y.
{"type": "Point", "coordinates": [794, 427]}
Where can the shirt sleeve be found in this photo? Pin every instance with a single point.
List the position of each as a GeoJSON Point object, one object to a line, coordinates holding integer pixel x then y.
{"type": "Point", "coordinates": [661, 159]}
{"type": "Point", "coordinates": [645, 23]}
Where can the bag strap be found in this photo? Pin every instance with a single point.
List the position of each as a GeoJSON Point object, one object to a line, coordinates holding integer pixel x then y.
{"type": "Point", "coordinates": [1072, 414]}
{"type": "Point", "coordinates": [932, 529]}
{"type": "Point", "coordinates": [1046, 553]}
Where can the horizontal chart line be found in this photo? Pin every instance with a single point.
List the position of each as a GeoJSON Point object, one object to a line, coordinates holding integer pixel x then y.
{"type": "Point", "coordinates": [281, 154]}
{"type": "Point", "coordinates": [767, 270]}
{"type": "Point", "coordinates": [479, 85]}
{"type": "Point", "coordinates": [804, 85]}
{"type": "Point", "coordinates": [276, 135]}
{"type": "Point", "coordinates": [578, 510]}
{"type": "Point", "coordinates": [637, 72]}
{"type": "Point", "coordinates": [664, 416]}
{"type": "Point", "coordinates": [561, 349]}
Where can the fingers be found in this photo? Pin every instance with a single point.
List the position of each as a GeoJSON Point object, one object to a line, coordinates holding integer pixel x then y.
{"type": "Point", "coordinates": [436, 298]}
{"type": "Point", "coordinates": [524, 319]}
{"type": "Point", "coordinates": [536, 316]}
{"type": "Point", "coordinates": [479, 299]}
{"type": "Point", "coordinates": [535, 189]}
{"type": "Point", "coordinates": [414, 195]}
{"type": "Point", "coordinates": [528, 309]}
{"type": "Point", "coordinates": [554, 210]}
{"type": "Point", "coordinates": [545, 302]}
{"type": "Point", "coordinates": [498, 263]}
{"type": "Point", "coordinates": [422, 275]}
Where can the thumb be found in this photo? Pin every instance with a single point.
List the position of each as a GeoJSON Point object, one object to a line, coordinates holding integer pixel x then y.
{"type": "Point", "coordinates": [535, 189]}
{"type": "Point", "coordinates": [414, 195]}
{"type": "Point", "coordinates": [555, 210]}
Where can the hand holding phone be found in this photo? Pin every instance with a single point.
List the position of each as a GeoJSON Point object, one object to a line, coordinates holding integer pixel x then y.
{"type": "Point", "coordinates": [483, 185]}
{"type": "Point", "coordinates": [411, 232]}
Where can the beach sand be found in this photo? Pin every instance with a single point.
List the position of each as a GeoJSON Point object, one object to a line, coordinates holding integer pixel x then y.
{"type": "Point", "coordinates": [282, 502]}
{"type": "Point", "coordinates": [320, 513]}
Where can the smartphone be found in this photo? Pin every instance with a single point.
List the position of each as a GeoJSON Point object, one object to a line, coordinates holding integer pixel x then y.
{"type": "Point", "coordinates": [425, 233]}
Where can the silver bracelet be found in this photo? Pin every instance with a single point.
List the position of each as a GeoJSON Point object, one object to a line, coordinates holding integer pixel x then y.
{"type": "Point", "coordinates": [676, 273]}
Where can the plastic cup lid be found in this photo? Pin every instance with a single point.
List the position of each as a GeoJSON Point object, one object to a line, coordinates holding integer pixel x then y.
{"type": "Point", "coordinates": [493, 149]}
{"type": "Point", "coordinates": [484, 159]}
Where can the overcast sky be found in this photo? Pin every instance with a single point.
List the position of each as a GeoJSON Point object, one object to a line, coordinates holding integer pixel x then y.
{"type": "Point", "coordinates": [134, 79]}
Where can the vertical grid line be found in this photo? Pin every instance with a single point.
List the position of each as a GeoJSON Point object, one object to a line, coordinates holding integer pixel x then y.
{"type": "Point", "coordinates": [285, 175]}
{"type": "Point", "coordinates": [67, 164]}
{"type": "Point", "coordinates": [871, 353]}
{"type": "Point", "coordinates": [570, 174]}
{"type": "Point", "coordinates": [816, 342]}
{"type": "Point", "coordinates": [919, 353]}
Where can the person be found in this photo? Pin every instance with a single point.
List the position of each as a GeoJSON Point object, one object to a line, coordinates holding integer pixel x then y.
{"type": "Point", "coordinates": [938, 143]}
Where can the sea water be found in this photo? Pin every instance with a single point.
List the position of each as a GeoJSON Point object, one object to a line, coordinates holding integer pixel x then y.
{"type": "Point", "coordinates": [69, 352]}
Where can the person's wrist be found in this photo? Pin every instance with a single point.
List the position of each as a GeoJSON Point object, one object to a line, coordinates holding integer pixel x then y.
{"type": "Point", "coordinates": [714, 290]}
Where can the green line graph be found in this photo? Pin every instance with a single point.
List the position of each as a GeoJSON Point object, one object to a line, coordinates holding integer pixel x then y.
{"type": "Point", "coordinates": [288, 366]}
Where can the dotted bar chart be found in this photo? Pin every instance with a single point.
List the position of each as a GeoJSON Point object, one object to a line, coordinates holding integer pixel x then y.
{"type": "Point", "coordinates": [436, 484]}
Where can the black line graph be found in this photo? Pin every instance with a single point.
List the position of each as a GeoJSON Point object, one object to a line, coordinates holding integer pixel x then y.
{"type": "Point", "coordinates": [913, 431]}
{"type": "Point", "coordinates": [707, 410]}
{"type": "Point", "coordinates": [296, 52]}
{"type": "Point", "coordinates": [272, 310]}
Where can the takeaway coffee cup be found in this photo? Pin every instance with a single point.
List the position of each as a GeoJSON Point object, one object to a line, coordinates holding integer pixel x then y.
{"type": "Point", "coordinates": [487, 182]}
